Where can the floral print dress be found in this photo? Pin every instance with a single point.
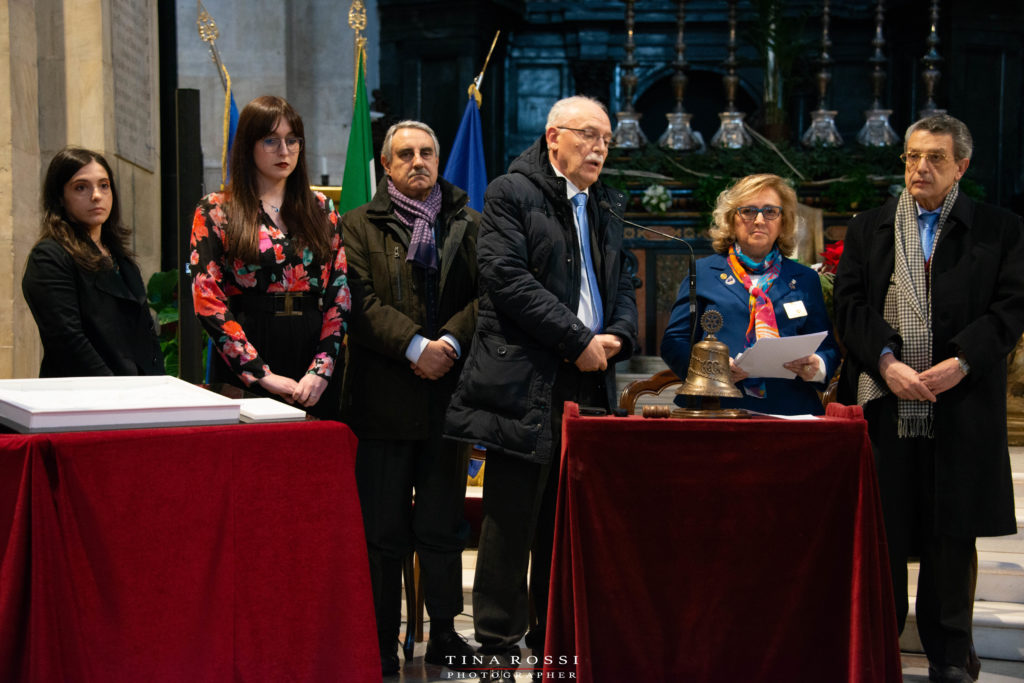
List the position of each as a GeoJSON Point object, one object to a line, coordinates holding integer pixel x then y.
{"type": "Point", "coordinates": [281, 268]}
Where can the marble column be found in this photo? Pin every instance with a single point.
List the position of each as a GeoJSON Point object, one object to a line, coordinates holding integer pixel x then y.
{"type": "Point", "coordinates": [60, 63]}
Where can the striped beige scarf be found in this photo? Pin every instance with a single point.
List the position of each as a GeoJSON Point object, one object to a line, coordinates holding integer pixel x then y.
{"type": "Point", "coordinates": [908, 308]}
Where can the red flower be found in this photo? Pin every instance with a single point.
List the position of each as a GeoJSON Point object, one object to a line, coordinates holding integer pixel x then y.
{"type": "Point", "coordinates": [199, 231]}
{"type": "Point", "coordinates": [207, 297]}
{"type": "Point", "coordinates": [295, 279]}
{"type": "Point", "coordinates": [233, 330]}
{"type": "Point", "coordinates": [830, 257]}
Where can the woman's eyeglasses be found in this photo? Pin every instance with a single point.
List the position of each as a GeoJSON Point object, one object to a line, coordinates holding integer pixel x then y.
{"type": "Point", "coordinates": [272, 144]}
{"type": "Point", "coordinates": [749, 213]}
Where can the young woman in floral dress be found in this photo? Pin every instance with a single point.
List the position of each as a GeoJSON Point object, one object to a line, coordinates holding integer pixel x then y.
{"type": "Point", "coordinates": [268, 268]}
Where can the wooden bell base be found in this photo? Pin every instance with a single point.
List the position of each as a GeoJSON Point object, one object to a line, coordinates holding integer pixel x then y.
{"type": "Point", "coordinates": [710, 414]}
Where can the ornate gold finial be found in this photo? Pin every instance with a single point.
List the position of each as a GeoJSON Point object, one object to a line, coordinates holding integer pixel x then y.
{"type": "Point", "coordinates": [208, 31]}
{"type": "Point", "coordinates": [357, 22]}
{"type": "Point", "coordinates": [357, 16]}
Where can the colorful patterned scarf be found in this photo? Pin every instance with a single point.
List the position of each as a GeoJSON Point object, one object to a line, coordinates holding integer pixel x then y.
{"type": "Point", "coordinates": [762, 314]}
{"type": "Point", "coordinates": [420, 216]}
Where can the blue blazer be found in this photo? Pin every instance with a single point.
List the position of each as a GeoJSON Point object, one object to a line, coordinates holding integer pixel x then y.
{"type": "Point", "coordinates": [718, 290]}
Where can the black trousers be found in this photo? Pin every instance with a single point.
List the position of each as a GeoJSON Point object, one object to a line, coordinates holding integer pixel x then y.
{"type": "Point", "coordinates": [519, 522]}
{"type": "Point", "coordinates": [387, 474]}
{"type": "Point", "coordinates": [945, 586]}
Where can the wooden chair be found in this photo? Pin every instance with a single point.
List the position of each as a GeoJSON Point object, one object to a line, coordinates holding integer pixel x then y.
{"type": "Point", "coordinates": [652, 386]}
{"type": "Point", "coordinates": [832, 390]}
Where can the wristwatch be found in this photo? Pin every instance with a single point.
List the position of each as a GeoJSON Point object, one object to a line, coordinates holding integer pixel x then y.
{"type": "Point", "coordinates": [964, 367]}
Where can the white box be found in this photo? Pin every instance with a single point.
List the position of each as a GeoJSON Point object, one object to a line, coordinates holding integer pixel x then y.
{"type": "Point", "coordinates": [66, 404]}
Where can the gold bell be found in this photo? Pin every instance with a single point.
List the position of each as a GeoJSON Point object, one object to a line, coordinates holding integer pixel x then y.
{"type": "Point", "coordinates": [708, 374]}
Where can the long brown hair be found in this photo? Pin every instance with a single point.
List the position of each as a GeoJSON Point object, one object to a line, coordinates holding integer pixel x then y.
{"type": "Point", "coordinates": [306, 221]}
{"type": "Point", "coordinates": [58, 226]}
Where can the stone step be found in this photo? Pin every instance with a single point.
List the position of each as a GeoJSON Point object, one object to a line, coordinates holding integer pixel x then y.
{"type": "Point", "coordinates": [1000, 577]}
{"type": "Point", "coordinates": [998, 631]}
{"type": "Point", "coordinates": [1013, 543]}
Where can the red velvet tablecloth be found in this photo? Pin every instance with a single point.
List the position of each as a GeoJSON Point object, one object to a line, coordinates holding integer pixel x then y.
{"type": "Point", "coordinates": [720, 550]}
{"type": "Point", "coordinates": [231, 553]}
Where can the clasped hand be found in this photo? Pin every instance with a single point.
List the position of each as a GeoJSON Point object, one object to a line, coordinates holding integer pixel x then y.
{"type": "Point", "coordinates": [306, 392]}
{"type": "Point", "coordinates": [911, 385]}
{"type": "Point", "coordinates": [437, 359]}
{"type": "Point", "coordinates": [600, 349]}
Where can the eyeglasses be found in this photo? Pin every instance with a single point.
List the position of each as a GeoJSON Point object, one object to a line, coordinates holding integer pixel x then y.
{"type": "Point", "coordinates": [912, 159]}
{"type": "Point", "coordinates": [589, 135]}
{"type": "Point", "coordinates": [749, 213]}
{"type": "Point", "coordinates": [273, 144]}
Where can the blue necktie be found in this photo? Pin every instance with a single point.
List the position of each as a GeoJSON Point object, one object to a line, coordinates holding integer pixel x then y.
{"type": "Point", "coordinates": [590, 296]}
{"type": "Point", "coordinates": [928, 220]}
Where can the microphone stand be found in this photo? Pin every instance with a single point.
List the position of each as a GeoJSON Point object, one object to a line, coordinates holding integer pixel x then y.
{"type": "Point", "coordinates": [692, 266]}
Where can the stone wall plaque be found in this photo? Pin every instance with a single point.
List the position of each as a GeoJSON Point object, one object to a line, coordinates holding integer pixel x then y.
{"type": "Point", "coordinates": [132, 56]}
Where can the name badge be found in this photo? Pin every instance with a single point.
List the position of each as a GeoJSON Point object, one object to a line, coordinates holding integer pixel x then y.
{"type": "Point", "coordinates": [795, 309]}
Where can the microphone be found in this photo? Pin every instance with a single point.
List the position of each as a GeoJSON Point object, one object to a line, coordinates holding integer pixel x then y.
{"type": "Point", "coordinates": [606, 206]}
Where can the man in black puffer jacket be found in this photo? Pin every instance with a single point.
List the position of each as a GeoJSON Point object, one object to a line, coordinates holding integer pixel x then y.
{"type": "Point", "coordinates": [557, 310]}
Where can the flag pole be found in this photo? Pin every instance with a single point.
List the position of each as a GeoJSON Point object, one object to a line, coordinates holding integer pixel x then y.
{"type": "Point", "coordinates": [474, 87]}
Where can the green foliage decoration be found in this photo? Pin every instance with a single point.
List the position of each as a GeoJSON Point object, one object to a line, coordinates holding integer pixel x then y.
{"type": "Point", "coordinates": [162, 292]}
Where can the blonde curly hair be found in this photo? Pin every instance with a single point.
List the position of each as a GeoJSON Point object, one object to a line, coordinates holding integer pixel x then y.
{"type": "Point", "coordinates": [723, 232]}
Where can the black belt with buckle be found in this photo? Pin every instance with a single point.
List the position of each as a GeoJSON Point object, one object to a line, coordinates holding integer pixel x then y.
{"type": "Point", "coordinates": [276, 303]}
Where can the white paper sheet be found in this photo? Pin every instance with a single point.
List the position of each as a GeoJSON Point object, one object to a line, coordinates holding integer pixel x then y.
{"type": "Point", "coordinates": [766, 356]}
{"type": "Point", "coordinates": [268, 410]}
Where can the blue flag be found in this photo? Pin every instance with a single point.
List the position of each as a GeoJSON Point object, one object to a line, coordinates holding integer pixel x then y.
{"type": "Point", "coordinates": [232, 123]}
{"type": "Point", "coordinates": [465, 167]}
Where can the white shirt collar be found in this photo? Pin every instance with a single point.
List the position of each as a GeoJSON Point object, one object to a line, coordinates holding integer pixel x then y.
{"type": "Point", "coordinates": [570, 189]}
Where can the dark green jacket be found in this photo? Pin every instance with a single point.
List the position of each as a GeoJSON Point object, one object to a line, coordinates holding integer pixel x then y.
{"type": "Point", "coordinates": [382, 398]}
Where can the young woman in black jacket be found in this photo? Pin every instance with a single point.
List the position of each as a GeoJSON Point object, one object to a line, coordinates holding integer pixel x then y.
{"type": "Point", "coordinates": [82, 283]}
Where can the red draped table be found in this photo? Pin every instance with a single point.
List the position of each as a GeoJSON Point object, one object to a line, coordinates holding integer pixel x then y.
{"type": "Point", "coordinates": [720, 550]}
{"type": "Point", "coordinates": [231, 553]}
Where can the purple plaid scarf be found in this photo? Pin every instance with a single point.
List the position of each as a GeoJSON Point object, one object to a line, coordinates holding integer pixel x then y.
{"type": "Point", "coordinates": [420, 216]}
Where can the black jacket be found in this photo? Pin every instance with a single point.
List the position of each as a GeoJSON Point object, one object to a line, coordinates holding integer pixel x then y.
{"type": "Point", "coordinates": [382, 398]}
{"type": "Point", "coordinates": [977, 281]}
{"type": "Point", "coordinates": [91, 323]}
{"type": "Point", "coordinates": [530, 289]}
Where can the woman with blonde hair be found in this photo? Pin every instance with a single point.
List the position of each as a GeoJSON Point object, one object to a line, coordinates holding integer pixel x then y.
{"type": "Point", "coordinates": [268, 267]}
{"type": "Point", "coordinates": [760, 292]}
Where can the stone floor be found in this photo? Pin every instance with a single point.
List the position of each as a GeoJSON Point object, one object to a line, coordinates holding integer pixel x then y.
{"type": "Point", "coordinates": [915, 666]}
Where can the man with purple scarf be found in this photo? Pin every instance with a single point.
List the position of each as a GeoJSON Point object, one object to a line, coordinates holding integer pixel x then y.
{"type": "Point", "coordinates": [413, 275]}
